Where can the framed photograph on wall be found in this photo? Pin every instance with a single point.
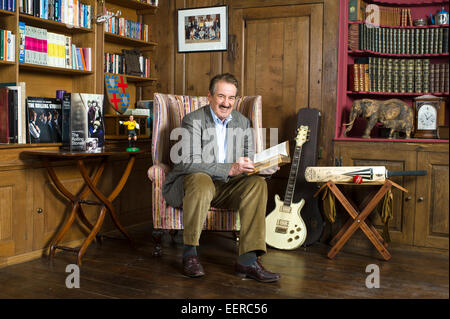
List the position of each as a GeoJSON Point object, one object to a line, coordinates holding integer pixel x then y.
{"type": "Point", "coordinates": [203, 29]}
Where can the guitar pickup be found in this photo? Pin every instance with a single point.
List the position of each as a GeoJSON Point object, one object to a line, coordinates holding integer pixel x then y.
{"type": "Point", "coordinates": [281, 230]}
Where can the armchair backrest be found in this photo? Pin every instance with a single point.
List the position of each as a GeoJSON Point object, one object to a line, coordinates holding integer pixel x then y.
{"type": "Point", "coordinates": [169, 110]}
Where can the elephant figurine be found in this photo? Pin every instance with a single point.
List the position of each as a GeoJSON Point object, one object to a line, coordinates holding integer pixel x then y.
{"type": "Point", "coordinates": [394, 114]}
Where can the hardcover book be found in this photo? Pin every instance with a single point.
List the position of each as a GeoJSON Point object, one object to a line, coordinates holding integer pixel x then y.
{"type": "Point", "coordinates": [86, 122]}
{"type": "Point", "coordinates": [44, 120]}
{"type": "Point", "coordinates": [426, 75]}
{"type": "Point", "coordinates": [277, 155]}
{"type": "Point", "coordinates": [4, 115]}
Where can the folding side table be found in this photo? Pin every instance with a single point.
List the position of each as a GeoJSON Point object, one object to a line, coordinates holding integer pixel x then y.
{"type": "Point", "coordinates": [90, 185]}
{"type": "Point", "coordinates": [358, 218]}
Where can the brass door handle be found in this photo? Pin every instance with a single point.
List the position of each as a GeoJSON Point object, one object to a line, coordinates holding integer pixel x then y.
{"type": "Point", "coordinates": [408, 198]}
{"type": "Point", "coordinates": [420, 199]}
{"type": "Point", "coordinates": [39, 210]}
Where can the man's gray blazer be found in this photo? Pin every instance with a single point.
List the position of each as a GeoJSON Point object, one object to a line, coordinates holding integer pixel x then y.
{"type": "Point", "coordinates": [197, 151]}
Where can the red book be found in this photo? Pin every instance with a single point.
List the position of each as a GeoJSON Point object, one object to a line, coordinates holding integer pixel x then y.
{"type": "Point", "coordinates": [4, 115]}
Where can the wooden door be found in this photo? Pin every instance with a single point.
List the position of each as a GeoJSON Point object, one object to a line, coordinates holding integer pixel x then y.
{"type": "Point", "coordinates": [401, 226]}
{"type": "Point", "coordinates": [432, 216]}
{"type": "Point", "coordinates": [281, 61]}
{"type": "Point", "coordinates": [277, 53]}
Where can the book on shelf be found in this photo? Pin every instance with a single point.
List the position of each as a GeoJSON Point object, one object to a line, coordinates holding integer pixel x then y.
{"type": "Point", "coordinates": [7, 45]}
{"type": "Point", "coordinates": [146, 105]}
{"type": "Point", "coordinates": [126, 28]}
{"type": "Point", "coordinates": [17, 114]}
{"type": "Point", "coordinates": [356, 10]}
{"type": "Point", "coordinates": [83, 112]}
{"type": "Point", "coordinates": [397, 75]}
{"type": "Point", "coordinates": [8, 5]}
{"type": "Point", "coordinates": [426, 75]}
{"type": "Point", "coordinates": [70, 12]}
{"type": "Point", "coordinates": [116, 63]}
{"type": "Point", "coordinates": [43, 47]}
{"type": "Point", "coordinates": [44, 123]}
{"type": "Point", "coordinates": [431, 40]}
{"type": "Point", "coordinates": [4, 115]}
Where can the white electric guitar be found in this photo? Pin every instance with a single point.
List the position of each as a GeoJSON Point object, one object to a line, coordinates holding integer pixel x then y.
{"type": "Point", "coordinates": [285, 228]}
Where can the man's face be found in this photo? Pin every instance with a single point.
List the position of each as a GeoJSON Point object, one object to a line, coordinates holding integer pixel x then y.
{"type": "Point", "coordinates": [222, 102]}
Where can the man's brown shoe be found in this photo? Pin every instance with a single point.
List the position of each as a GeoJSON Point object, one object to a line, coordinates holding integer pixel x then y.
{"type": "Point", "coordinates": [256, 271]}
{"type": "Point", "coordinates": [192, 266]}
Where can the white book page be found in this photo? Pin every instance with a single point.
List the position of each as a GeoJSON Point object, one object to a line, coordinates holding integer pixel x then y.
{"type": "Point", "coordinates": [271, 152]}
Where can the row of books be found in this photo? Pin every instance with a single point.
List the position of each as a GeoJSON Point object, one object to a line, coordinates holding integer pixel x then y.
{"type": "Point", "coordinates": [384, 15]}
{"type": "Point", "coordinates": [116, 63]}
{"type": "Point", "coordinates": [71, 12]}
{"type": "Point", "coordinates": [398, 76]}
{"type": "Point", "coordinates": [126, 28]}
{"type": "Point", "coordinates": [7, 46]}
{"type": "Point", "coordinates": [8, 5]}
{"type": "Point", "coordinates": [39, 46]}
{"type": "Point", "coordinates": [77, 120]}
{"type": "Point", "coordinates": [362, 36]}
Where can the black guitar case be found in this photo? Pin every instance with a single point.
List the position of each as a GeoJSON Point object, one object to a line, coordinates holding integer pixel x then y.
{"type": "Point", "coordinates": [311, 214]}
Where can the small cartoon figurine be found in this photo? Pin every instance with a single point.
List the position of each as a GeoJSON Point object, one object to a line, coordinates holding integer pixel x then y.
{"type": "Point", "coordinates": [132, 126]}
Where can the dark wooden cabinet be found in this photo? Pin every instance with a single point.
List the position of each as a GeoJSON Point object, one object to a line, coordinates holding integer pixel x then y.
{"type": "Point", "coordinates": [32, 210]}
{"type": "Point", "coordinates": [421, 216]}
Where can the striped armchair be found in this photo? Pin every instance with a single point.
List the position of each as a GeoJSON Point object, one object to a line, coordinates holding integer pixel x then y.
{"type": "Point", "coordinates": [168, 112]}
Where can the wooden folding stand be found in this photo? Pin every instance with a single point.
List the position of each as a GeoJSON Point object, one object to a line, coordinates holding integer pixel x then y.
{"type": "Point", "coordinates": [358, 219]}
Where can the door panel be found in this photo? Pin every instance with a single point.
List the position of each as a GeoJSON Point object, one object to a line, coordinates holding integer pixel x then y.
{"type": "Point", "coordinates": [15, 223]}
{"type": "Point", "coordinates": [432, 216]}
{"type": "Point", "coordinates": [279, 56]}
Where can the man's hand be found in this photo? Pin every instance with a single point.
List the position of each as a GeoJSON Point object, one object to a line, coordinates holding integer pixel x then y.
{"type": "Point", "coordinates": [242, 165]}
{"type": "Point", "coordinates": [120, 122]}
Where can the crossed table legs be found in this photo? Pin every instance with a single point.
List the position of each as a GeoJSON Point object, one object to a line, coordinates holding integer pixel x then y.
{"type": "Point", "coordinates": [104, 201]}
{"type": "Point", "coordinates": [358, 219]}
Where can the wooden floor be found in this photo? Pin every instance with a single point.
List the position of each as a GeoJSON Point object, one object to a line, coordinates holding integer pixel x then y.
{"type": "Point", "coordinates": [113, 270]}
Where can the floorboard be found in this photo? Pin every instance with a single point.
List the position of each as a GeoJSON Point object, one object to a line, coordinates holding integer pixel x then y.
{"type": "Point", "coordinates": [115, 270]}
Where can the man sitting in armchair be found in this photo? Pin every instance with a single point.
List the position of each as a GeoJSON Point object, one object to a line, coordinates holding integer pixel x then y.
{"type": "Point", "coordinates": [211, 165]}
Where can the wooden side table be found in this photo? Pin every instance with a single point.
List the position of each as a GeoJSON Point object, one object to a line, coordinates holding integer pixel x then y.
{"type": "Point", "coordinates": [90, 185]}
{"type": "Point", "coordinates": [358, 219]}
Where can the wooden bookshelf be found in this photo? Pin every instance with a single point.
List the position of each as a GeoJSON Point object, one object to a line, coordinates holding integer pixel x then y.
{"type": "Point", "coordinates": [419, 213]}
{"type": "Point", "coordinates": [119, 39]}
{"type": "Point", "coordinates": [52, 25]}
{"type": "Point", "coordinates": [136, 5]}
{"type": "Point", "coordinates": [7, 62]}
{"type": "Point", "coordinates": [52, 69]}
{"type": "Point", "coordinates": [373, 53]}
{"type": "Point", "coordinates": [346, 57]}
{"type": "Point", "coordinates": [114, 44]}
{"type": "Point", "coordinates": [137, 79]}
{"type": "Point", "coordinates": [6, 13]}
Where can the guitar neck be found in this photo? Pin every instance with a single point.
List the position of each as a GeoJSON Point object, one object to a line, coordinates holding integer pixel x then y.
{"type": "Point", "coordinates": [288, 196]}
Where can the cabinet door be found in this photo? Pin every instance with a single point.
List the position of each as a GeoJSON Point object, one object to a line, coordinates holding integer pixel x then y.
{"type": "Point", "coordinates": [51, 208]}
{"type": "Point", "coordinates": [401, 226]}
{"type": "Point", "coordinates": [432, 201]}
{"type": "Point", "coordinates": [15, 224]}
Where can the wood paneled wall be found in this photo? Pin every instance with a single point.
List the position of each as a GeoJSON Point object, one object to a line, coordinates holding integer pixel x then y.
{"type": "Point", "coordinates": [288, 35]}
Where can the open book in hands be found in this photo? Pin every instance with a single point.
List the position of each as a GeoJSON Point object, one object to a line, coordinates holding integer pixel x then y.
{"type": "Point", "coordinates": [271, 158]}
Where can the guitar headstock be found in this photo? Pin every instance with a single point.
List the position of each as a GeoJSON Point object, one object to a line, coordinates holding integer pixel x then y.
{"type": "Point", "coordinates": [302, 135]}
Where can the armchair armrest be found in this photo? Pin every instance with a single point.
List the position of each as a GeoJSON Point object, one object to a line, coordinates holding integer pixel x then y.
{"type": "Point", "coordinates": [158, 172]}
